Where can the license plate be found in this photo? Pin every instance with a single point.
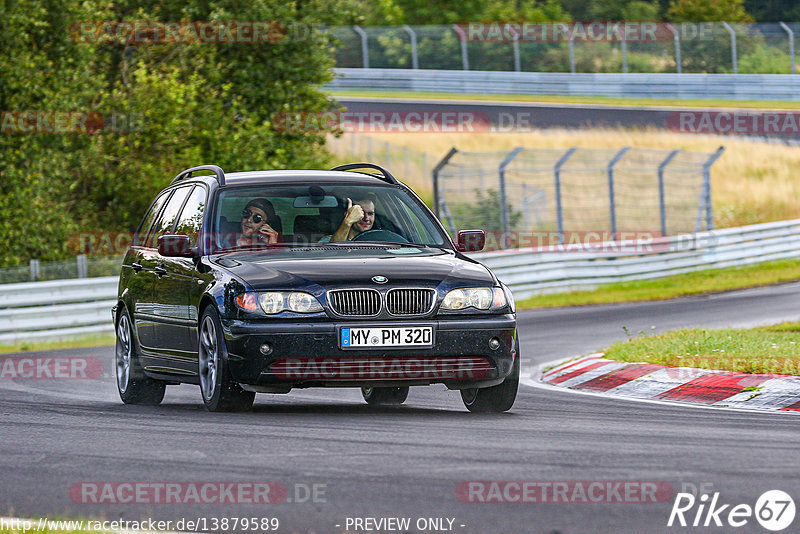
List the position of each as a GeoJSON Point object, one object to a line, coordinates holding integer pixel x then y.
{"type": "Point", "coordinates": [382, 336]}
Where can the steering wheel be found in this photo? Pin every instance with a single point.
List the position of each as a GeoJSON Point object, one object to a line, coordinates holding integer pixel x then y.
{"type": "Point", "coordinates": [379, 235]}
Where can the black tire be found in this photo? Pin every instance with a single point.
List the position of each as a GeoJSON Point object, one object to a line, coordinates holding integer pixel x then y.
{"type": "Point", "coordinates": [496, 399]}
{"type": "Point", "coordinates": [220, 393]}
{"type": "Point", "coordinates": [377, 396]}
{"type": "Point", "coordinates": [133, 385]}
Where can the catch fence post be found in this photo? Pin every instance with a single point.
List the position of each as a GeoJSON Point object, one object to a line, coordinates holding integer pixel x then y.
{"type": "Point", "coordinates": [734, 55]}
{"type": "Point", "coordinates": [463, 38]}
{"type": "Point", "coordinates": [677, 40]}
{"type": "Point", "coordinates": [35, 271]}
{"type": "Point", "coordinates": [83, 269]}
{"type": "Point", "coordinates": [661, 200]}
{"type": "Point", "coordinates": [364, 47]}
{"type": "Point", "coordinates": [502, 175]}
{"type": "Point", "coordinates": [611, 199]}
{"type": "Point", "coordinates": [789, 31]}
{"type": "Point", "coordinates": [413, 35]}
{"type": "Point", "coordinates": [435, 175]}
{"type": "Point", "coordinates": [559, 209]}
{"type": "Point", "coordinates": [571, 43]}
{"type": "Point", "coordinates": [707, 186]}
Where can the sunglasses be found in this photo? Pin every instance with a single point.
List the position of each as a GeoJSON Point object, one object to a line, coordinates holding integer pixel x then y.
{"type": "Point", "coordinates": [257, 217]}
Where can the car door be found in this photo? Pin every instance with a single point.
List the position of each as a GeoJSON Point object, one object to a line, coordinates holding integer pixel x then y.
{"type": "Point", "coordinates": [138, 276]}
{"type": "Point", "coordinates": [160, 306]}
{"type": "Point", "coordinates": [177, 331]}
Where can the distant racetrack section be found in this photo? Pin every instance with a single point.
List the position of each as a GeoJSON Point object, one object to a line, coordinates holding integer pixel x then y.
{"type": "Point", "coordinates": [509, 116]}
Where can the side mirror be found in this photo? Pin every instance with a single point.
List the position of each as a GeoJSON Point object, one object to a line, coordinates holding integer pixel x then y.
{"type": "Point", "coordinates": [470, 240]}
{"type": "Point", "coordinates": [178, 246]}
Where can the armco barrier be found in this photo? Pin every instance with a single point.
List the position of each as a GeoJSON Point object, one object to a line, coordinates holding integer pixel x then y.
{"type": "Point", "coordinates": [528, 272]}
{"type": "Point", "coordinates": [36, 311]}
{"type": "Point", "coordinates": [57, 309]}
{"type": "Point", "coordinates": [688, 86]}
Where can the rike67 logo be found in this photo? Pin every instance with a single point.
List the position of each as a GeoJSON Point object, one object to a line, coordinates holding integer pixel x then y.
{"type": "Point", "coordinates": [774, 510]}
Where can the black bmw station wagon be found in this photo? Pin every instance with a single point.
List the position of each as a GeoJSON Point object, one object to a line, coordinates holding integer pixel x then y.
{"type": "Point", "coordinates": [261, 282]}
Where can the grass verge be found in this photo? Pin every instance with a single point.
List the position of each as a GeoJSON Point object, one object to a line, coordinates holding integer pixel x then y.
{"type": "Point", "coordinates": [694, 283]}
{"type": "Point", "coordinates": [83, 342]}
{"type": "Point", "coordinates": [567, 99]}
{"type": "Point", "coordinates": [768, 349]}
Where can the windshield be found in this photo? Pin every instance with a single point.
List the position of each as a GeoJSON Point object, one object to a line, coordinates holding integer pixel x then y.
{"type": "Point", "coordinates": [313, 215]}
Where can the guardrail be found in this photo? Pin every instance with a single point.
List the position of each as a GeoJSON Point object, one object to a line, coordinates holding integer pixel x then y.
{"type": "Point", "coordinates": [681, 86]}
{"type": "Point", "coordinates": [530, 272]}
{"type": "Point", "coordinates": [38, 311]}
{"type": "Point", "coordinates": [57, 309]}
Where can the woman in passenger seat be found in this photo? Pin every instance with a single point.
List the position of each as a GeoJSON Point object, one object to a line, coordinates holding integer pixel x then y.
{"type": "Point", "coordinates": [255, 228]}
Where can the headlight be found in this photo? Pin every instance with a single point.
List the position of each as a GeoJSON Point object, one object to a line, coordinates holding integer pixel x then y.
{"type": "Point", "coordinates": [272, 302]}
{"type": "Point", "coordinates": [481, 298]}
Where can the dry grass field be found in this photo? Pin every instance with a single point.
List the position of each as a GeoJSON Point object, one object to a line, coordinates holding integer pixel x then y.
{"type": "Point", "coordinates": [752, 182]}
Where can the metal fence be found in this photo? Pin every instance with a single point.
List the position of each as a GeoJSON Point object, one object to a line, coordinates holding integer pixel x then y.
{"type": "Point", "coordinates": [708, 47]}
{"type": "Point", "coordinates": [579, 189]}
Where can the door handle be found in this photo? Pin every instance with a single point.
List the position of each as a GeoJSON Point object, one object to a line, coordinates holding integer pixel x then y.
{"type": "Point", "coordinates": [136, 267]}
{"type": "Point", "coordinates": [160, 271]}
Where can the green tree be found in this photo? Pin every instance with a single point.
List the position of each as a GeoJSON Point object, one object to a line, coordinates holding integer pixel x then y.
{"type": "Point", "coordinates": [624, 10]}
{"type": "Point", "coordinates": [708, 11]}
{"type": "Point", "coordinates": [773, 10]}
{"type": "Point", "coordinates": [193, 103]}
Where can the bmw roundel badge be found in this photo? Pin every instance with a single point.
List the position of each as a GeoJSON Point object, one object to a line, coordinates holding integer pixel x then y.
{"type": "Point", "coordinates": [380, 279]}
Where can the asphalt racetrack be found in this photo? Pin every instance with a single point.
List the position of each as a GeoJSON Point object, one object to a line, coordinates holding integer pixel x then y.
{"type": "Point", "coordinates": [410, 461]}
{"type": "Point", "coordinates": [510, 116]}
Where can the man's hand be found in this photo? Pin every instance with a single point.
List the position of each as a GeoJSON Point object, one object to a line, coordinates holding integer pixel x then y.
{"type": "Point", "coordinates": [268, 234]}
{"type": "Point", "coordinates": [354, 213]}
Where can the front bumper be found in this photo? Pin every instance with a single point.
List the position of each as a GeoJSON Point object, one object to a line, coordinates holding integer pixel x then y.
{"type": "Point", "coordinates": [307, 354]}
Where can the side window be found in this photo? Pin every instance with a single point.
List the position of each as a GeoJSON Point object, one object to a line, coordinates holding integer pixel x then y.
{"type": "Point", "coordinates": [164, 223]}
{"type": "Point", "coordinates": [418, 229]}
{"type": "Point", "coordinates": [191, 219]}
{"type": "Point", "coordinates": [140, 238]}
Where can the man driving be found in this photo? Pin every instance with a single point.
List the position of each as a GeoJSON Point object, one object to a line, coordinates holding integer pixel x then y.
{"type": "Point", "coordinates": [359, 218]}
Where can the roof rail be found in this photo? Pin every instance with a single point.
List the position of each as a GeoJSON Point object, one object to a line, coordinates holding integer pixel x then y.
{"type": "Point", "coordinates": [218, 172]}
{"type": "Point", "coordinates": [387, 176]}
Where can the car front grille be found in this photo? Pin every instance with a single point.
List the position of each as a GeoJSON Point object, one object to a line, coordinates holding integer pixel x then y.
{"type": "Point", "coordinates": [409, 301]}
{"type": "Point", "coordinates": [355, 302]}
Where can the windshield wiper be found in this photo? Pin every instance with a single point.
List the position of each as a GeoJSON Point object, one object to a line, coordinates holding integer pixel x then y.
{"type": "Point", "coordinates": [263, 246]}
{"type": "Point", "coordinates": [357, 244]}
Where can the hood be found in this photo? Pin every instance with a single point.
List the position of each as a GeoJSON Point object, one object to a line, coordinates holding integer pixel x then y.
{"type": "Point", "coordinates": [348, 267]}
